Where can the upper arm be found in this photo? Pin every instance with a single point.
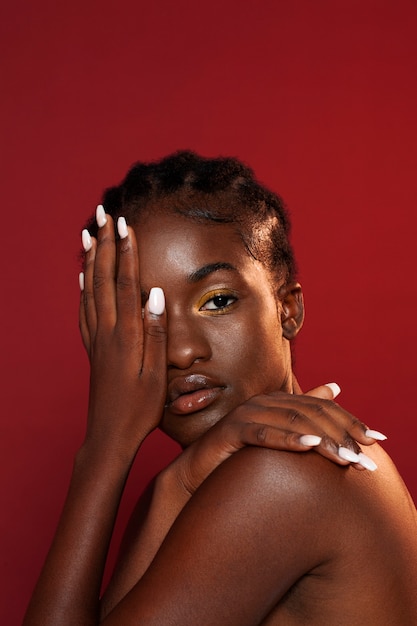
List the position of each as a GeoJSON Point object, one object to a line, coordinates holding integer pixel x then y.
{"type": "Point", "coordinates": [241, 542]}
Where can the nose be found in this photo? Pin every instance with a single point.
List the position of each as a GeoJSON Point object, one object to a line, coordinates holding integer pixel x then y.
{"type": "Point", "coordinates": [187, 341]}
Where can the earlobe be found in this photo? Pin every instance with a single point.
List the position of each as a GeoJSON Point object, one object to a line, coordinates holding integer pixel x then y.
{"type": "Point", "coordinates": [292, 309]}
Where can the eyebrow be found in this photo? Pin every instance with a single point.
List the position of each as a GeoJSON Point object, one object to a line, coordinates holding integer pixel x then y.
{"type": "Point", "coordinates": [210, 268]}
{"type": "Point", "coordinates": [199, 274]}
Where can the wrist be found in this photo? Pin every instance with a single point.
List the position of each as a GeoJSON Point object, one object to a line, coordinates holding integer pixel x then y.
{"type": "Point", "coordinates": [170, 493]}
{"type": "Point", "coordinates": [97, 460]}
{"type": "Point", "coordinates": [172, 482]}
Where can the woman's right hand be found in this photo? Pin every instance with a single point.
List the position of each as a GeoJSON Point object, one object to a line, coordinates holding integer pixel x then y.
{"type": "Point", "coordinates": [126, 343]}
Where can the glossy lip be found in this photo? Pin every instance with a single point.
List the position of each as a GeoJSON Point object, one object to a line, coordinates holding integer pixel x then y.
{"type": "Point", "coordinates": [192, 393]}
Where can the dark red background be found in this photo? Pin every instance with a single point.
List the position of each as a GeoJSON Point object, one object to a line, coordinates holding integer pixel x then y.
{"type": "Point", "coordinates": [319, 97]}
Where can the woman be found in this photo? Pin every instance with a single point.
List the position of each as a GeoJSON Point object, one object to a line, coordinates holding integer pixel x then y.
{"type": "Point", "coordinates": [229, 533]}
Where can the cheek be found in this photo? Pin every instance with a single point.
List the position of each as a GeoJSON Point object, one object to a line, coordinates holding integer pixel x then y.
{"type": "Point", "coordinates": [253, 356]}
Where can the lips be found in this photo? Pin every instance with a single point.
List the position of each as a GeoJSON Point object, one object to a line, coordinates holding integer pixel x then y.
{"type": "Point", "coordinates": [188, 394]}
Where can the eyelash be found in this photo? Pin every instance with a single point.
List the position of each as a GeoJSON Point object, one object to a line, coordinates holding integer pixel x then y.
{"type": "Point", "coordinates": [212, 296]}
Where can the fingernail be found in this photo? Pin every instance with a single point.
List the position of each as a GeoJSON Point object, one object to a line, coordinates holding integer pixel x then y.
{"type": "Point", "coordinates": [366, 462]}
{"type": "Point", "coordinates": [101, 216]}
{"type": "Point", "coordinates": [375, 434]}
{"type": "Point", "coordinates": [86, 239]}
{"type": "Point", "coordinates": [122, 228]}
{"type": "Point", "coordinates": [335, 389]}
{"type": "Point", "coordinates": [310, 440]}
{"type": "Point", "coordinates": [348, 455]}
{"type": "Point", "coordinates": [156, 301]}
{"type": "Point", "coordinates": [81, 280]}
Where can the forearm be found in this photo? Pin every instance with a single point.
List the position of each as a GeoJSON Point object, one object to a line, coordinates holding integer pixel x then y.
{"type": "Point", "coordinates": [168, 499]}
{"type": "Point", "coordinates": [68, 588]}
{"type": "Point", "coordinates": [147, 529]}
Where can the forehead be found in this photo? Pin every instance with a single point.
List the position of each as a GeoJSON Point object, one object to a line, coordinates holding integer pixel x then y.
{"type": "Point", "coordinates": [171, 244]}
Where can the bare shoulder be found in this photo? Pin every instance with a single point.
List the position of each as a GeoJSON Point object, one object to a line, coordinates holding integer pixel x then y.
{"type": "Point", "coordinates": [266, 490]}
{"type": "Point", "coordinates": [307, 486]}
{"type": "Point", "coordinates": [278, 481]}
{"type": "Point", "coordinates": [335, 531]}
{"type": "Point", "coordinates": [282, 538]}
{"type": "Point", "coordinates": [298, 480]}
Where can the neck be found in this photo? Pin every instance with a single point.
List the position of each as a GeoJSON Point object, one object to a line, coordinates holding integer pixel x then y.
{"type": "Point", "coordinates": [296, 389]}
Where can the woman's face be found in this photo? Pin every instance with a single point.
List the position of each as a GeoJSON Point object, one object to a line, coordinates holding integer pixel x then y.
{"type": "Point", "coordinates": [225, 341]}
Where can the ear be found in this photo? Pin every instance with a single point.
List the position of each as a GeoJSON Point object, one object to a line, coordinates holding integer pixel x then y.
{"type": "Point", "coordinates": [292, 309]}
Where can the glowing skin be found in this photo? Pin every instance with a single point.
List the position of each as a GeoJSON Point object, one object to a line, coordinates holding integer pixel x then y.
{"type": "Point", "coordinates": [225, 339]}
{"type": "Point", "coordinates": [229, 535]}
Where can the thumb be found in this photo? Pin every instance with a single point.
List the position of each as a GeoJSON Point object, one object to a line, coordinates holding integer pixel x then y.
{"type": "Point", "coordinates": [329, 391]}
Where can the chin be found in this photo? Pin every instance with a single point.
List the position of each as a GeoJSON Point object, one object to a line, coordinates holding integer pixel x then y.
{"type": "Point", "coordinates": [184, 430]}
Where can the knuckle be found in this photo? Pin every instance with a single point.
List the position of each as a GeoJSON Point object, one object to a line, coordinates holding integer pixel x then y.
{"type": "Point", "coordinates": [127, 295]}
{"type": "Point", "coordinates": [295, 416]}
{"type": "Point", "coordinates": [99, 281]}
{"type": "Point", "coordinates": [288, 440]}
{"type": "Point", "coordinates": [88, 261]}
{"type": "Point", "coordinates": [329, 443]}
{"type": "Point", "coordinates": [125, 282]}
{"type": "Point", "coordinates": [261, 434]}
{"type": "Point", "coordinates": [321, 408]}
{"type": "Point", "coordinates": [157, 333]}
{"type": "Point", "coordinates": [125, 246]}
{"type": "Point", "coordinates": [88, 297]}
{"type": "Point", "coordinates": [348, 442]}
{"type": "Point", "coordinates": [355, 422]}
{"type": "Point", "coordinates": [105, 239]}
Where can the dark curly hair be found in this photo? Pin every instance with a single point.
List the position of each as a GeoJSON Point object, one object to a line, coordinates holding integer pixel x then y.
{"type": "Point", "coordinates": [222, 190]}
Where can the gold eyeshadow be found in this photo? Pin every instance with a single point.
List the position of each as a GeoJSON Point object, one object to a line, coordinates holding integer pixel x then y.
{"type": "Point", "coordinates": [215, 293]}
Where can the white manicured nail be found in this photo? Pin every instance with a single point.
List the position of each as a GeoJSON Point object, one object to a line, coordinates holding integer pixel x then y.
{"type": "Point", "coordinates": [348, 455]}
{"type": "Point", "coordinates": [310, 440]}
{"type": "Point", "coordinates": [375, 434]}
{"type": "Point", "coordinates": [101, 216]}
{"type": "Point", "coordinates": [335, 389]}
{"type": "Point", "coordinates": [156, 301]}
{"type": "Point", "coordinates": [122, 228]}
{"type": "Point", "coordinates": [86, 239]}
{"type": "Point", "coordinates": [366, 462]}
{"type": "Point", "coordinates": [81, 280]}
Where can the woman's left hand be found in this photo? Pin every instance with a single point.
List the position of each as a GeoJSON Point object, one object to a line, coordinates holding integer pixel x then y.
{"type": "Point", "coordinates": [300, 423]}
{"type": "Point", "coordinates": [279, 421]}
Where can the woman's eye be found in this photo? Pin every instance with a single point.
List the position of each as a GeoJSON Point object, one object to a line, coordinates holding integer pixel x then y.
{"type": "Point", "coordinates": [218, 302]}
